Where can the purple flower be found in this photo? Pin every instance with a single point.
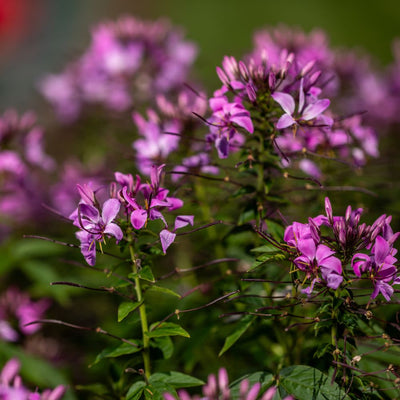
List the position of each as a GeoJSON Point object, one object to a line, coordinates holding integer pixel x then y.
{"type": "Point", "coordinates": [12, 388]}
{"type": "Point", "coordinates": [217, 387]}
{"type": "Point", "coordinates": [156, 144]}
{"type": "Point", "coordinates": [167, 237]}
{"type": "Point", "coordinates": [225, 119]}
{"type": "Point", "coordinates": [379, 266]}
{"type": "Point", "coordinates": [95, 226]}
{"type": "Point", "coordinates": [315, 259]}
{"type": "Point", "coordinates": [304, 112]}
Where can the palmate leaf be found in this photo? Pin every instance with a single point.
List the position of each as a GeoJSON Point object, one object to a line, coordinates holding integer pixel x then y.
{"type": "Point", "coordinates": [308, 383]}
{"type": "Point", "coordinates": [241, 328]}
{"type": "Point", "coordinates": [167, 329]}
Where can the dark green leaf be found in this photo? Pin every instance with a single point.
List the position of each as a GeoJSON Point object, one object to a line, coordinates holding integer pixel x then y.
{"type": "Point", "coordinates": [147, 274]}
{"type": "Point", "coordinates": [163, 290]}
{"type": "Point", "coordinates": [167, 329]}
{"type": "Point", "coordinates": [307, 383]}
{"type": "Point", "coordinates": [125, 308]}
{"type": "Point", "coordinates": [96, 388]}
{"type": "Point", "coordinates": [176, 379]}
{"type": "Point", "coordinates": [241, 328]}
{"type": "Point", "coordinates": [135, 391]}
{"type": "Point", "coordinates": [264, 378]}
{"type": "Point", "coordinates": [121, 350]}
{"type": "Point", "coordinates": [165, 344]}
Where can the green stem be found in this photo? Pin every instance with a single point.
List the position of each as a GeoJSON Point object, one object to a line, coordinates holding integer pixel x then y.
{"type": "Point", "coordinates": [143, 317]}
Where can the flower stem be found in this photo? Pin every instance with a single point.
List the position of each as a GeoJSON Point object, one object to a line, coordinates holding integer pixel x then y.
{"type": "Point", "coordinates": [143, 317]}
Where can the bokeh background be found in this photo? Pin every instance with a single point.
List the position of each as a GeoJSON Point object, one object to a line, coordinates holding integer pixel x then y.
{"type": "Point", "coordinates": [40, 36]}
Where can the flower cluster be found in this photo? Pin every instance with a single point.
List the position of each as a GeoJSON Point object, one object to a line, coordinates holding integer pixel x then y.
{"type": "Point", "coordinates": [218, 388]}
{"type": "Point", "coordinates": [126, 61]}
{"type": "Point", "coordinates": [22, 157]}
{"type": "Point", "coordinates": [17, 306]}
{"type": "Point", "coordinates": [324, 257]}
{"type": "Point", "coordinates": [12, 387]}
{"type": "Point", "coordinates": [142, 202]}
{"type": "Point", "coordinates": [284, 81]}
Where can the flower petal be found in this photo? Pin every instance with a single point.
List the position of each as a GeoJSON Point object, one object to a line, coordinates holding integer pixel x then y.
{"type": "Point", "coordinates": [183, 220]}
{"type": "Point", "coordinates": [138, 218]}
{"type": "Point", "coordinates": [110, 210]}
{"type": "Point", "coordinates": [167, 238]}
{"type": "Point", "coordinates": [285, 121]}
{"type": "Point", "coordinates": [313, 110]}
{"type": "Point", "coordinates": [285, 100]}
{"type": "Point", "coordinates": [114, 230]}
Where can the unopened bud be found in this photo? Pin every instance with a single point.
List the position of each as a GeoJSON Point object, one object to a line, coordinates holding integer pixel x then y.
{"type": "Point", "coordinates": [356, 359]}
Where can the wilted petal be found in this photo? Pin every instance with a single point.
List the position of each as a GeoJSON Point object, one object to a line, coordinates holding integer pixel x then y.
{"type": "Point", "coordinates": [167, 238]}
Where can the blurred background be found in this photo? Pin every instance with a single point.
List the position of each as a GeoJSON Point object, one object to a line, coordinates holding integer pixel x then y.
{"type": "Point", "coordinates": [41, 36]}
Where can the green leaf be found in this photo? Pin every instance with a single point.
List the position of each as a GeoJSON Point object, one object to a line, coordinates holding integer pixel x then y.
{"type": "Point", "coordinates": [323, 349]}
{"type": "Point", "coordinates": [96, 388]}
{"type": "Point", "coordinates": [267, 257]}
{"type": "Point", "coordinates": [267, 248]}
{"type": "Point", "coordinates": [165, 344]}
{"type": "Point", "coordinates": [275, 229]}
{"type": "Point", "coordinates": [264, 378]}
{"type": "Point", "coordinates": [156, 390]}
{"type": "Point", "coordinates": [163, 290]}
{"type": "Point", "coordinates": [135, 391]}
{"type": "Point", "coordinates": [146, 274]}
{"type": "Point", "coordinates": [167, 329]}
{"type": "Point", "coordinates": [121, 350]}
{"type": "Point", "coordinates": [307, 383]}
{"type": "Point", "coordinates": [241, 328]}
{"type": "Point", "coordinates": [126, 308]}
{"type": "Point", "coordinates": [176, 379]}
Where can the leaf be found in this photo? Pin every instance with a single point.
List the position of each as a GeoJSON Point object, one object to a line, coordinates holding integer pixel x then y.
{"type": "Point", "coordinates": [266, 248]}
{"type": "Point", "coordinates": [147, 274]}
{"type": "Point", "coordinates": [135, 391]}
{"type": "Point", "coordinates": [241, 328]}
{"type": "Point", "coordinates": [267, 257]}
{"type": "Point", "coordinates": [156, 390]}
{"type": "Point", "coordinates": [176, 379]}
{"type": "Point", "coordinates": [307, 383]}
{"type": "Point", "coordinates": [167, 329]}
{"type": "Point", "coordinates": [275, 229]}
{"type": "Point", "coordinates": [121, 350]}
{"type": "Point", "coordinates": [126, 308]}
{"type": "Point", "coordinates": [96, 388]}
{"type": "Point", "coordinates": [163, 290]}
{"type": "Point", "coordinates": [262, 377]}
{"type": "Point", "coordinates": [165, 344]}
